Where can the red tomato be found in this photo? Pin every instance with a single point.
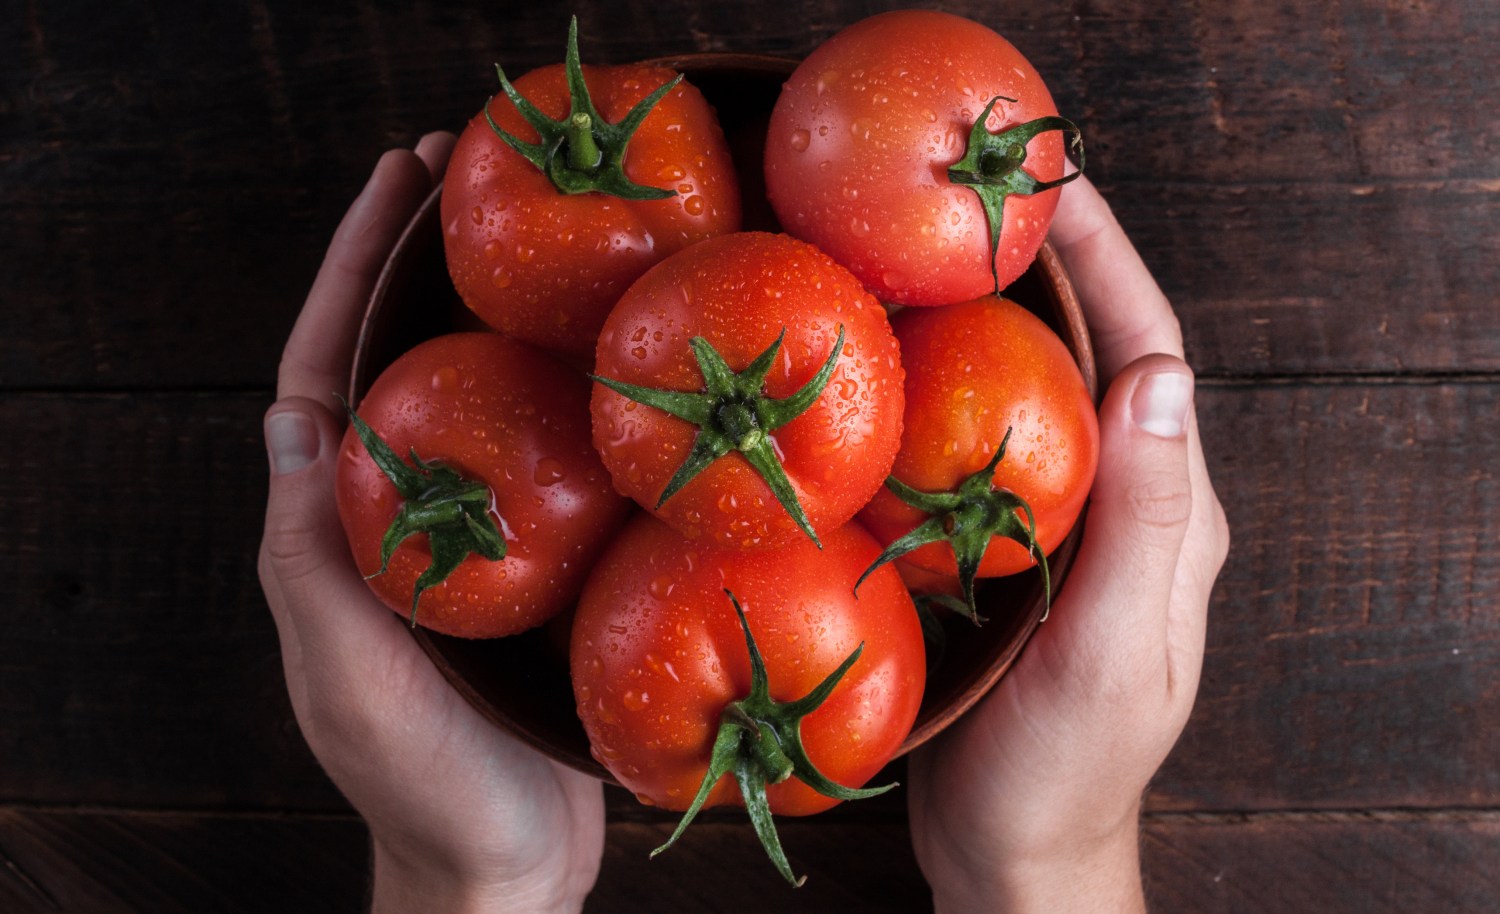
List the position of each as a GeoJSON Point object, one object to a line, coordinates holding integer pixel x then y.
{"type": "Point", "coordinates": [544, 266]}
{"type": "Point", "coordinates": [514, 424]}
{"type": "Point", "coordinates": [740, 293]}
{"type": "Point", "coordinates": [658, 655]}
{"type": "Point", "coordinates": [862, 138]}
{"type": "Point", "coordinates": [974, 372]}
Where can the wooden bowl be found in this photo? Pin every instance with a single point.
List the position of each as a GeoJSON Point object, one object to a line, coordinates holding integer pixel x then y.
{"type": "Point", "coordinates": [521, 683]}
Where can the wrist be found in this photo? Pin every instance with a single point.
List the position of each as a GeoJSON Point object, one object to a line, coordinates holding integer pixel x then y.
{"type": "Point", "coordinates": [1101, 872]}
{"type": "Point", "coordinates": [403, 885]}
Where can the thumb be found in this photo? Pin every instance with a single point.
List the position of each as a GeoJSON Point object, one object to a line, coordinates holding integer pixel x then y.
{"type": "Point", "coordinates": [1141, 500]}
{"type": "Point", "coordinates": [304, 559]}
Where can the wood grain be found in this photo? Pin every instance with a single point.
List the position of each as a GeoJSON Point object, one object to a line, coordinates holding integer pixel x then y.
{"type": "Point", "coordinates": [1314, 200]}
{"type": "Point", "coordinates": [107, 862]}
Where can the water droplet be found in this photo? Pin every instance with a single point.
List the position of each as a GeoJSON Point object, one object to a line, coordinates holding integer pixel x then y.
{"type": "Point", "coordinates": [662, 586]}
{"type": "Point", "coordinates": [501, 278]}
{"type": "Point", "coordinates": [493, 250]}
{"type": "Point", "coordinates": [445, 378]}
{"type": "Point", "coordinates": [635, 701]}
{"type": "Point", "coordinates": [799, 140]}
{"type": "Point", "coordinates": [694, 205]}
{"type": "Point", "coordinates": [549, 471]}
{"type": "Point", "coordinates": [477, 214]}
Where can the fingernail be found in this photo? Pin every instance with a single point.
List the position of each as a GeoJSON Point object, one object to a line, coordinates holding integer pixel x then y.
{"type": "Point", "coordinates": [291, 441]}
{"type": "Point", "coordinates": [1161, 402]}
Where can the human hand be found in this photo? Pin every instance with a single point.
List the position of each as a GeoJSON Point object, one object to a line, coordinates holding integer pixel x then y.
{"type": "Point", "coordinates": [1031, 801]}
{"type": "Point", "coordinates": [462, 816]}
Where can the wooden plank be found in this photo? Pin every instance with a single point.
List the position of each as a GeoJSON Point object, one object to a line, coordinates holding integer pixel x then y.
{"type": "Point", "coordinates": [1316, 279]}
{"type": "Point", "coordinates": [114, 861]}
{"type": "Point", "coordinates": [108, 862]}
{"type": "Point", "coordinates": [1354, 645]}
{"type": "Point", "coordinates": [138, 662]}
{"type": "Point", "coordinates": [1380, 864]}
{"type": "Point", "coordinates": [171, 178]}
{"type": "Point", "coordinates": [1354, 656]}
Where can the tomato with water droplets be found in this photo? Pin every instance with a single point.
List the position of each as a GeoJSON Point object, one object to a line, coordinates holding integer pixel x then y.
{"type": "Point", "coordinates": [749, 392]}
{"type": "Point", "coordinates": [491, 451]}
{"type": "Point", "coordinates": [884, 151]}
{"type": "Point", "coordinates": [661, 666]}
{"type": "Point", "coordinates": [992, 395]}
{"type": "Point", "coordinates": [540, 250]}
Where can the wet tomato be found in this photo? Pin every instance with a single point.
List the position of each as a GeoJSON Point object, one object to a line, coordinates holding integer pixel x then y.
{"type": "Point", "coordinates": [749, 392]}
{"type": "Point", "coordinates": [917, 148]}
{"type": "Point", "coordinates": [546, 220]}
{"type": "Point", "coordinates": [468, 477]}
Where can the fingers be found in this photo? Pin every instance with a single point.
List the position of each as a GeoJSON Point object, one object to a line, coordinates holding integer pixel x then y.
{"type": "Point", "coordinates": [1127, 314]}
{"type": "Point", "coordinates": [315, 362]}
{"type": "Point", "coordinates": [1139, 512]}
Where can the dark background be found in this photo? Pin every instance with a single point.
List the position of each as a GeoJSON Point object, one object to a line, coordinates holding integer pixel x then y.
{"type": "Point", "coordinates": [1316, 187]}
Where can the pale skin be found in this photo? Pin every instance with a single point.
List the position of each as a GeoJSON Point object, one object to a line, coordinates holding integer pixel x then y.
{"type": "Point", "coordinates": [1031, 802]}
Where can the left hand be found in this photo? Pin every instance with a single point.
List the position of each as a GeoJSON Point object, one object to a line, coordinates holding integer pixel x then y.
{"type": "Point", "coordinates": [462, 815]}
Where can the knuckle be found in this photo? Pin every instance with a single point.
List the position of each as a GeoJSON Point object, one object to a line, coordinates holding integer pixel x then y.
{"type": "Point", "coordinates": [291, 549]}
{"type": "Point", "coordinates": [1161, 501]}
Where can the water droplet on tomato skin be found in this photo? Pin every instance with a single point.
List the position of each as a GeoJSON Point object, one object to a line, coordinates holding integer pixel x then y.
{"type": "Point", "coordinates": [445, 378]}
{"type": "Point", "coordinates": [799, 140]}
{"type": "Point", "coordinates": [635, 701]}
{"type": "Point", "coordinates": [661, 586]}
{"type": "Point", "coordinates": [549, 472]}
{"type": "Point", "coordinates": [477, 214]}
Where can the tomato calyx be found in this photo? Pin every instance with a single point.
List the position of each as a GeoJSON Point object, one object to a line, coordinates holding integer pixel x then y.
{"type": "Point", "coordinates": [733, 413]}
{"type": "Point", "coordinates": [760, 743]}
{"type": "Point", "coordinates": [991, 167]}
{"type": "Point", "coordinates": [581, 153]}
{"type": "Point", "coordinates": [454, 512]}
{"type": "Point", "coordinates": [967, 517]}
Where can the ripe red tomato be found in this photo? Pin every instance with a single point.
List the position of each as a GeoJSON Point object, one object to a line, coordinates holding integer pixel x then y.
{"type": "Point", "coordinates": [975, 373]}
{"type": "Point", "coordinates": [862, 139]}
{"type": "Point", "coordinates": [739, 294]}
{"type": "Point", "coordinates": [658, 655]}
{"type": "Point", "coordinates": [512, 425]}
{"type": "Point", "coordinates": [544, 266]}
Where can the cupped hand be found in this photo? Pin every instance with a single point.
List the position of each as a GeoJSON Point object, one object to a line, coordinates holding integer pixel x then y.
{"type": "Point", "coordinates": [462, 816]}
{"type": "Point", "coordinates": [1031, 801]}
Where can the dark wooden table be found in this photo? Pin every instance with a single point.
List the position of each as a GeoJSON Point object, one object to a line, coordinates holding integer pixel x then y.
{"type": "Point", "coordinates": [1317, 187]}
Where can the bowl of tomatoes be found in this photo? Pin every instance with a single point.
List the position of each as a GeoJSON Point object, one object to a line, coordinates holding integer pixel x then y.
{"type": "Point", "coordinates": [532, 683]}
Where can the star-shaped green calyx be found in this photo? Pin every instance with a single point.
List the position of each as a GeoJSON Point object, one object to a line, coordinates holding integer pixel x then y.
{"type": "Point", "coordinates": [760, 743]}
{"type": "Point", "coordinates": [967, 517]}
{"type": "Point", "coordinates": [733, 413]}
{"type": "Point", "coordinates": [992, 167]}
{"type": "Point", "coordinates": [453, 512]}
{"type": "Point", "coordinates": [582, 152]}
